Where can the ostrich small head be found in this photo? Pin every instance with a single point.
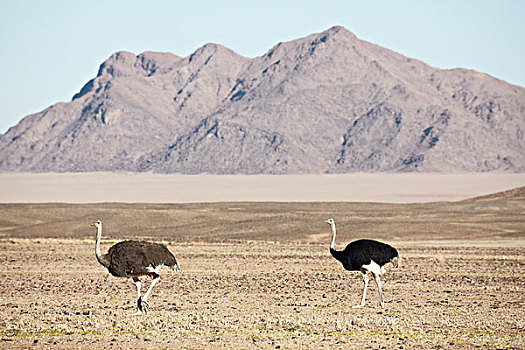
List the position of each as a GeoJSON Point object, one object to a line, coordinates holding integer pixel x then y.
{"type": "Point", "coordinates": [97, 224]}
{"type": "Point", "coordinates": [330, 221]}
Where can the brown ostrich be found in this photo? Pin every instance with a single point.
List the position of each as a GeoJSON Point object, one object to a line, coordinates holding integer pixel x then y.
{"type": "Point", "coordinates": [135, 259]}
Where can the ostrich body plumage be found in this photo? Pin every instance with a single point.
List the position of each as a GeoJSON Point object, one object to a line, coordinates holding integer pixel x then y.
{"type": "Point", "coordinates": [137, 258]}
{"type": "Point", "coordinates": [363, 252]}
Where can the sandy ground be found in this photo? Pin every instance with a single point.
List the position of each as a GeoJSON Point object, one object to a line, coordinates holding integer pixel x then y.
{"type": "Point", "coordinates": [156, 188]}
{"type": "Point", "coordinates": [259, 275]}
{"type": "Point", "coordinates": [453, 295]}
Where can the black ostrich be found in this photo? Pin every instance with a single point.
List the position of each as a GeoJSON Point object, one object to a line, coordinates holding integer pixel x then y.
{"type": "Point", "coordinates": [134, 259]}
{"type": "Point", "coordinates": [365, 255]}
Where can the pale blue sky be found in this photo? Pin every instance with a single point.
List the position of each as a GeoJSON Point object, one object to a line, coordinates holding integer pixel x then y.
{"type": "Point", "coordinates": [50, 49]}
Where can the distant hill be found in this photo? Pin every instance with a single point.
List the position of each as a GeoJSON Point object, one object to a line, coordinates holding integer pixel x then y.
{"type": "Point", "coordinates": [515, 193]}
{"type": "Point", "coordinates": [327, 103]}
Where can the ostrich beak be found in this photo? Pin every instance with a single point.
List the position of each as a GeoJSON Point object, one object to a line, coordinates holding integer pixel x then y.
{"type": "Point", "coordinates": [93, 224]}
{"type": "Point", "coordinates": [327, 222]}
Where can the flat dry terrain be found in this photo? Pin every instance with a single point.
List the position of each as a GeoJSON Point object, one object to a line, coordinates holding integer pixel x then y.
{"type": "Point", "coordinates": [259, 275]}
{"type": "Point", "coordinates": [173, 188]}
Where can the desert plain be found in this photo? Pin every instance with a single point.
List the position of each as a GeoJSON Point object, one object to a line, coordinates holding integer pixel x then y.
{"type": "Point", "coordinates": [258, 274]}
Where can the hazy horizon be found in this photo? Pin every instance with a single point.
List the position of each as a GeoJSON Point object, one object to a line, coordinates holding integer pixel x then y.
{"type": "Point", "coordinates": [177, 188]}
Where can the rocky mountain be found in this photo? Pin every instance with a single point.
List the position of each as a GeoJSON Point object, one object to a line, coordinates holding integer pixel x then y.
{"type": "Point", "coordinates": [327, 103]}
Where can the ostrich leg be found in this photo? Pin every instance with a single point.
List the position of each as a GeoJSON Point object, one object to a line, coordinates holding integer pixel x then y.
{"type": "Point", "coordinates": [365, 280]}
{"type": "Point", "coordinates": [378, 281]}
{"type": "Point", "coordinates": [139, 300]}
{"type": "Point", "coordinates": [145, 303]}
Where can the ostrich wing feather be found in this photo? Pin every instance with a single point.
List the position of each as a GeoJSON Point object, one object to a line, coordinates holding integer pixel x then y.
{"type": "Point", "coordinates": [133, 258]}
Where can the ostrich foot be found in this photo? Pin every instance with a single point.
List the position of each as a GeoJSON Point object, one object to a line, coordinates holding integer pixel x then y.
{"type": "Point", "coordinates": [142, 307]}
{"type": "Point", "coordinates": [358, 306]}
{"type": "Point", "coordinates": [145, 306]}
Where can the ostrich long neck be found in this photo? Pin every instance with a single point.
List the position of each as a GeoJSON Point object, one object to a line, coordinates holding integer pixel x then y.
{"type": "Point", "coordinates": [332, 245]}
{"type": "Point", "coordinates": [335, 253]}
{"type": "Point", "coordinates": [101, 258]}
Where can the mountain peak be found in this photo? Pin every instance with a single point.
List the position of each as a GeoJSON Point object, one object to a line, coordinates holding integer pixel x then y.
{"type": "Point", "coordinates": [116, 62]}
{"type": "Point", "coordinates": [211, 49]}
{"type": "Point", "coordinates": [339, 30]}
{"type": "Point", "coordinates": [337, 33]}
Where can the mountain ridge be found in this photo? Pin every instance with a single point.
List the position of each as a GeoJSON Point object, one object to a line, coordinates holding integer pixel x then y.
{"type": "Point", "coordinates": [326, 103]}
